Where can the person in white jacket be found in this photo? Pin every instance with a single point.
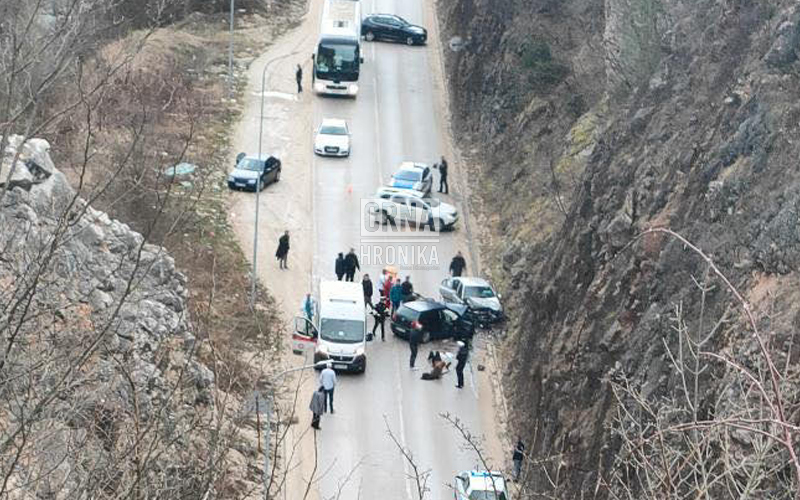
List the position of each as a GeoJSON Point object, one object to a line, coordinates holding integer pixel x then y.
{"type": "Point", "coordinates": [327, 379]}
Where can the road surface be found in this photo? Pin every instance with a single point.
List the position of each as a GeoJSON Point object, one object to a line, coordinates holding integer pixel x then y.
{"type": "Point", "coordinates": [395, 117]}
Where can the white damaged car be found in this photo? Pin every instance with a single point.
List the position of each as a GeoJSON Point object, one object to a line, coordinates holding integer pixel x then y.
{"type": "Point", "coordinates": [332, 138]}
{"type": "Point", "coordinates": [392, 205]}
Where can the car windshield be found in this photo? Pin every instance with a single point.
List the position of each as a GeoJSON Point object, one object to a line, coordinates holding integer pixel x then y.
{"type": "Point", "coordinates": [487, 495]}
{"type": "Point", "coordinates": [407, 313]}
{"type": "Point", "coordinates": [333, 130]}
{"type": "Point", "coordinates": [407, 175]}
{"type": "Point", "coordinates": [345, 331]}
{"type": "Point", "coordinates": [339, 59]}
{"type": "Point", "coordinates": [433, 202]}
{"type": "Point", "coordinates": [251, 164]}
{"type": "Point", "coordinates": [483, 292]}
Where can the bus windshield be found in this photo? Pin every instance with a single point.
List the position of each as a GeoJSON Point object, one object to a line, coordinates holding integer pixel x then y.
{"type": "Point", "coordinates": [335, 61]}
{"type": "Point", "coordinates": [343, 331]}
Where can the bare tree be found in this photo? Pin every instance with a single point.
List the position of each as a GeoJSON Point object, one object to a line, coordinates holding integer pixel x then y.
{"type": "Point", "coordinates": [419, 475]}
{"type": "Point", "coordinates": [727, 429]}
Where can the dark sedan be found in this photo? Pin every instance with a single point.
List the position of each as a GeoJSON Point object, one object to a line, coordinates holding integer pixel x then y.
{"type": "Point", "coordinates": [392, 28]}
{"type": "Point", "coordinates": [253, 173]}
{"type": "Point", "coordinates": [433, 319]}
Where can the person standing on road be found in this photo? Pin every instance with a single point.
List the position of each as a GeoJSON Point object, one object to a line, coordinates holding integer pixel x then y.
{"type": "Point", "coordinates": [457, 265]}
{"type": "Point", "coordinates": [379, 313]}
{"type": "Point", "coordinates": [396, 295]}
{"type": "Point", "coordinates": [408, 290]}
{"type": "Point", "coordinates": [442, 166]}
{"type": "Point", "coordinates": [516, 457]}
{"type": "Point", "coordinates": [340, 266]}
{"type": "Point", "coordinates": [309, 306]}
{"type": "Point", "coordinates": [414, 339]}
{"type": "Point", "coordinates": [298, 75]}
{"type": "Point", "coordinates": [366, 284]}
{"type": "Point", "coordinates": [327, 380]}
{"type": "Point", "coordinates": [461, 357]}
{"type": "Point", "coordinates": [381, 283]}
{"type": "Point", "coordinates": [317, 407]}
{"type": "Point", "coordinates": [351, 265]}
{"type": "Point", "coordinates": [283, 250]}
{"type": "Point", "coordinates": [387, 288]}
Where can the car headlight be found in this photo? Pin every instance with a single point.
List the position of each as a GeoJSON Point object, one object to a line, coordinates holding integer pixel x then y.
{"type": "Point", "coordinates": [352, 89]}
{"type": "Point", "coordinates": [319, 86]}
{"type": "Point", "coordinates": [230, 178]}
{"type": "Point", "coordinates": [251, 181]}
{"type": "Point", "coordinates": [360, 351]}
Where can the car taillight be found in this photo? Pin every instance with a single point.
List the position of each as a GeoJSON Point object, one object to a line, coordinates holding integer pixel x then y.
{"type": "Point", "coordinates": [416, 325]}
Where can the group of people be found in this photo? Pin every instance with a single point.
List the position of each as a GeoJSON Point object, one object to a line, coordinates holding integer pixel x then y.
{"type": "Point", "coordinates": [440, 362]}
{"type": "Point", "coordinates": [347, 265]}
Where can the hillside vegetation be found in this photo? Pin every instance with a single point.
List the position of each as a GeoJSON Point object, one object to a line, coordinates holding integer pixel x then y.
{"type": "Point", "coordinates": [635, 370]}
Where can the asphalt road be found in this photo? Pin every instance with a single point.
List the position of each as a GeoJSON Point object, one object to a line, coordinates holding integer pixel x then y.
{"type": "Point", "coordinates": [393, 119]}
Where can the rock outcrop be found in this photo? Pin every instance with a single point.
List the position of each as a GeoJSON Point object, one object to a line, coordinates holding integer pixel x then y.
{"type": "Point", "coordinates": [102, 390]}
{"type": "Point", "coordinates": [688, 116]}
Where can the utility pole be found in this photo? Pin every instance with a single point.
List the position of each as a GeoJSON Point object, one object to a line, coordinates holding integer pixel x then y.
{"type": "Point", "coordinates": [230, 53]}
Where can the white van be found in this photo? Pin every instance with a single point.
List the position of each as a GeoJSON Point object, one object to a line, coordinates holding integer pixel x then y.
{"type": "Point", "coordinates": [339, 328]}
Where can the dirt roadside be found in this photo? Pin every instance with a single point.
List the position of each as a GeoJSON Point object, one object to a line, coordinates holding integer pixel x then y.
{"type": "Point", "coordinates": [288, 205]}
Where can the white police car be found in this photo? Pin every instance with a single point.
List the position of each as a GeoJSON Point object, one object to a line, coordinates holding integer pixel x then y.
{"type": "Point", "coordinates": [481, 485]}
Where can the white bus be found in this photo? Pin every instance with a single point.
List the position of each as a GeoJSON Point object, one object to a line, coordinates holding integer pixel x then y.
{"type": "Point", "coordinates": [338, 59]}
{"type": "Point", "coordinates": [339, 328]}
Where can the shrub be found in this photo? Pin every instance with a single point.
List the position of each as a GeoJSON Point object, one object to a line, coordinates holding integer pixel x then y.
{"type": "Point", "coordinates": [543, 71]}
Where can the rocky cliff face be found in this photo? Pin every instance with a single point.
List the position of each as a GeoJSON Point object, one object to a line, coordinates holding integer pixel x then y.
{"type": "Point", "coordinates": [602, 120]}
{"type": "Point", "coordinates": [102, 396]}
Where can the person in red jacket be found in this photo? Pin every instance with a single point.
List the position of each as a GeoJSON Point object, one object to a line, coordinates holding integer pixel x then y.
{"type": "Point", "coordinates": [386, 289]}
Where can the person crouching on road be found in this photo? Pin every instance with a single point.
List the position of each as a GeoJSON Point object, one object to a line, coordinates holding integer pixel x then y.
{"type": "Point", "coordinates": [327, 380]}
{"type": "Point", "coordinates": [437, 366]}
{"type": "Point", "coordinates": [317, 407]}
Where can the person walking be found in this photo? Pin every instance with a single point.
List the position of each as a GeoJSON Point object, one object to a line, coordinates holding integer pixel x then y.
{"type": "Point", "coordinates": [396, 295]}
{"type": "Point", "coordinates": [442, 166]}
{"type": "Point", "coordinates": [366, 284]}
{"type": "Point", "coordinates": [309, 306]}
{"type": "Point", "coordinates": [408, 290]}
{"type": "Point", "coordinates": [317, 407]}
{"type": "Point", "coordinates": [340, 266]}
{"type": "Point", "coordinates": [379, 313]}
{"type": "Point", "coordinates": [457, 265]}
{"type": "Point", "coordinates": [283, 250]}
{"type": "Point", "coordinates": [351, 265]}
{"type": "Point", "coordinates": [298, 75]}
{"type": "Point", "coordinates": [414, 338]}
{"type": "Point", "coordinates": [516, 457]}
{"type": "Point", "coordinates": [327, 380]}
{"type": "Point", "coordinates": [461, 357]}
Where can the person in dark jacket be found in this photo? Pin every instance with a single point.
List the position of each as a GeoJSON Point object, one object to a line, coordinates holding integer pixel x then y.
{"type": "Point", "coordinates": [414, 338]}
{"type": "Point", "coordinates": [396, 295]}
{"type": "Point", "coordinates": [408, 290]}
{"type": "Point", "coordinates": [366, 284]}
{"type": "Point", "coordinates": [516, 457]}
{"type": "Point", "coordinates": [283, 250]}
{"type": "Point", "coordinates": [317, 406]}
{"type": "Point", "coordinates": [298, 75]}
{"type": "Point", "coordinates": [458, 264]}
{"type": "Point", "coordinates": [442, 166]}
{"type": "Point", "coordinates": [380, 313]}
{"type": "Point", "coordinates": [340, 266]}
{"type": "Point", "coordinates": [351, 265]}
{"type": "Point", "coordinates": [461, 358]}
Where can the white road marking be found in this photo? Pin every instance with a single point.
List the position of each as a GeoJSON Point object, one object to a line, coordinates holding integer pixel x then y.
{"type": "Point", "coordinates": [399, 392]}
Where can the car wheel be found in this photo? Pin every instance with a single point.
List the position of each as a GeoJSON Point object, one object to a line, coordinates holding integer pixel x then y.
{"type": "Point", "coordinates": [370, 36]}
{"type": "Point", "coordinates": [410, 41]}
